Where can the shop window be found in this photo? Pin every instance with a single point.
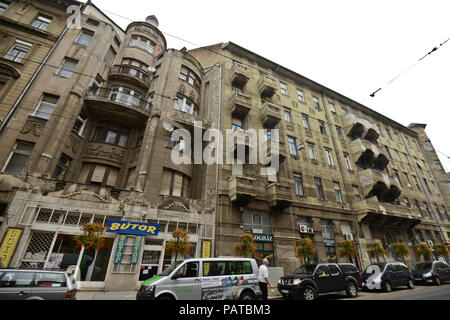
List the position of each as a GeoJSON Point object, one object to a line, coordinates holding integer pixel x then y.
{"type": "Point", "coordinates": [149, 264]}
{"type": "Point", "coordinates": [19, 157]}
{"type": "Point", "coordinates": [126, 266]}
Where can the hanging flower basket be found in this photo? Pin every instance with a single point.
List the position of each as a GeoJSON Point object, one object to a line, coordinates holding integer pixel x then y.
{"type": "Point", "coordinates": [246, 246]}
{"type": "Point", "coordinates": [441, 250]}
{"type": "Point", "coordinates": [400, 250]}
{"type": "Point", "coordinates": [346, 249]}
{"type": "Point", "coordinates": [304, 249]}
{"type": "Point", "coordinates": [180, 244]}
{"type": "Point", "coordinates": [91, 237]}
{"type": "Point", "coordinates": [376, 250]}
{"type": "Point", "coordinates": [423, 250]}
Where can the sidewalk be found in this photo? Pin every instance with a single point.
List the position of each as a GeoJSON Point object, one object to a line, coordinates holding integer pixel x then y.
{"type": "Point", "coordinates": [117, 295]}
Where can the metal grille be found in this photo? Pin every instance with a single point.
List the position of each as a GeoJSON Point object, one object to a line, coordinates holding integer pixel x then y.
{"type": "Point", "coordinates": [99, 218]}
{"type": "Point", "coordinates": [206, 231]}
{"type": "Point", "coordinates": [192, 229]}
{"type": "Point", "coordinates": [162, 226]}
{"type": "Point", "coordinates": [172, 227]}
{"type": "Point", "coordinates": [72, 218]}
{"type": "Point", "coordinates": [85, 218]}
{"type": "Point", "coordinates": [58, 216]}
{"type": "Point", "coordinates": [44, 215]}
{"type": "Point", "coordinates": [32, 265]}
{"type": "Point", "coordinates": [38, 247]}
{"type": "Point", "coordinates": [154, 242]}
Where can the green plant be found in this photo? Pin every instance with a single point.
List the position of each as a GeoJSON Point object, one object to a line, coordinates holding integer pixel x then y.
{"type": "Point", "coordinates": [441, 250]}
{"type": "Point", "coordinates": [346, 249]}
{"type": "Point", "coordinates": [91, 237]}
{"type": "Point", "coordinates": [376, 250]}
{"type": "Point", "coordinates": [180, 244]}
{"type": "Point", "coordinates": [121, 206]}
{"type": "Point", "coordinates": [400, 250]}
{"type": "Point", "coordinates": [245, 246]}
{"type": "Point", "coordinates": [423, 250]}
{"type": "Point", "coordinates": [304, 249]}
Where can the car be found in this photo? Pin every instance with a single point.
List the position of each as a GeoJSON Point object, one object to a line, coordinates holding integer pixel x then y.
{"type": "Point", "coordinates": [204, 279]}
{"type": "Point", "coordinates": [24, 284]}
{"type": "Point", "coordinates": [434, 272]}
{"type": "Point", "coordinates": [310, 281]}
{"type": "Point", "coordinates": [387, 275]}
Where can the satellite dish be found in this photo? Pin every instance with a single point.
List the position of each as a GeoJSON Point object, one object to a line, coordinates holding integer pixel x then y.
{"type": "Point", "coordinates": [151, 69]}
{"type": "Point", "coordinates": [168, 126]}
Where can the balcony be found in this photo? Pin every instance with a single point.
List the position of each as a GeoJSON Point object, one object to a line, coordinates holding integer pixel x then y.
{"type": "Point", "coordinates": [242, 190]}
{"type": "Point", "coordinates": [105, 151]}
{"type": "Point", "coordinates": [131, 74]}
{"type": "Point", "coordinates": [107, 102]}
{"type": "Point", "coordinates": [281, 153]}
{"type": "Point", "coordinates": [243, 141]}
{"type": "Point", "coordinates": [278, 196]}
{"type": "Point", "coordinates": [379, 184]}
{"type": "Point", "coordinates": [266, 86]}
{"type": "Point", "coordinates": [240, 105]}
{"type": "Point", "coordinates": [270, 115]}
{"type": "Point", "coordinates": [239, 75]}
{"type": "Point", "coordinates": [368, 154]}
{"type": "Point", "coordinates": [355, 126]}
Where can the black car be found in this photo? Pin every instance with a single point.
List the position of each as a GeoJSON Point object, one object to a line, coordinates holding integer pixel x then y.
{"type": "Point", "coordinates": [309, 281]}
{"type": "Point", "coordinates": [434, 272]}
{"type": "Point", "coordinates": [387, 275]}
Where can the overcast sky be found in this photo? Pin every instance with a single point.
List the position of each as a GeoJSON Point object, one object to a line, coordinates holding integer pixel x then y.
{"type": "Point", "coordinates": [353, 47]}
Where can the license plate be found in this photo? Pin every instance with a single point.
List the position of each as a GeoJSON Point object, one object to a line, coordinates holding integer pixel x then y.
{"type": "Point", "coordinates": [285, 291]}
{"type": "Point", "coordinates": [417, 278]}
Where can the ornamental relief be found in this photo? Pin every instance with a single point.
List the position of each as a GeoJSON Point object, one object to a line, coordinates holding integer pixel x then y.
{"type": "Point", "coordinates": [73, 142]}
{"type": "Point", "coordinates": [33, 126]}
{"type": "Point", "coordinates": [105, 151]}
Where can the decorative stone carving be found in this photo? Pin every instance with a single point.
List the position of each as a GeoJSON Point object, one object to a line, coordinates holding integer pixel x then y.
{"type": "Point", "coordinates": [203, 206]}
{"type": "Point", "coordinates": [137, 199]}
{"type": "Point", "coordinates": [182, 88]}
{"type": "Point", "coordinates": [73, 142]}
{"type": "Point", "coordinates": [34, 126]}
{"type": "Point", "coordinates": [9, 182]}
{"type": "Point", "coordinates": [86, 193]}
{"type": "Point", "coordinates": [105, 151]}
{"type": "Point", "coordinates": [174, 203]}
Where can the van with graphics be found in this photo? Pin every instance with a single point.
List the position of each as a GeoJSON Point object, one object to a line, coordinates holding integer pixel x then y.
{"type": "Point", "coordinates": [204, 279]}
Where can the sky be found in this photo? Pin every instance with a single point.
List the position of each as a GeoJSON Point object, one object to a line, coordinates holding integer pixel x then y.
{"type": "Point", "coordinates": [353, 47]}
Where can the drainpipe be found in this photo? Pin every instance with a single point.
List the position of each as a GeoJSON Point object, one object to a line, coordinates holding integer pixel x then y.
{"type": "Point", "coordinates": [219, 128]}
{"type": "Point", "coordinates": [433, 209]}
{"type": "Point", "coordinates": [341, 168]}
{"type": "Point", "coordinates": [33, 78]}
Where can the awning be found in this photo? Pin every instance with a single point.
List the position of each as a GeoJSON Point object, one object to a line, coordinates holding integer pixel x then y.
{"type": "Point", "coordinates": [389, 219]}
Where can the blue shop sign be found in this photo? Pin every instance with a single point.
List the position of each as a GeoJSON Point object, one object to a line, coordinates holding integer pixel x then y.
{"type": "Point", "coordinates": [135, 228]}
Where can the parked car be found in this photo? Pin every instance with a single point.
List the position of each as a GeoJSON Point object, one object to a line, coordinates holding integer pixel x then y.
{"type": "Point", "coordinates": [432, 272]}
{"type": "Point", "coordinates": [387, 275]}
{"type": "Point", "coordinates": [21, 284]}
{"type": "Point", "coordinates": [204, 279]}
{"type": "Point", "coordinates": [309, 281]}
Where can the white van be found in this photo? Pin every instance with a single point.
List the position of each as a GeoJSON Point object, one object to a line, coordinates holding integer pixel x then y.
{"type": "Point", "coordinates": [204, 279]}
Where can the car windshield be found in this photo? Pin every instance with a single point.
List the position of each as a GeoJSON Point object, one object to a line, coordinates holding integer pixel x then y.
{"type": "Point", "coordinates": [308, 269]}
{"type": "Point", "coordinates": [170, 269]}
{"type": "Point", "coordinates": [425, 266]}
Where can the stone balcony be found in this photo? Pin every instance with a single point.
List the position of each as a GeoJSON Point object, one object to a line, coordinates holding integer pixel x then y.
{"type": "Point", "coordinates": [240, 105]}
{"type": "Point", "coordinates": [368, 153]}
{"type": "Point", "coordinates": [240, 75]}
{"type": "Point", "coordinates": [279, 196]}
{"type": "Point", "coordinates": [270, 115]}
{"type": "Point", "coordinates": [266, 86]}
{"type": "Point", "coordinates": [105, 151]}
{"type": "Point", "coordinates": [241, 190]}
{"type": "Point", "coordinates": [355, 126]}
{"type": "Point", "coordinates": [380, 184]}
{"type": "Point", "coordinates": [281, 153]}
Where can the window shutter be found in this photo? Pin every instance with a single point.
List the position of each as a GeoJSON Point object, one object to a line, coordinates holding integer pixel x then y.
{"type": "Point", "coordinates": [99, 173]}
{"type": "Point", "coordinates": [177, 184]}
{"type": "Point", "coordinates": [84, 172]}
{"type": "Point", "coordinates": [165, 182]}
{"type": "Point", "coordinates": [112, 177]}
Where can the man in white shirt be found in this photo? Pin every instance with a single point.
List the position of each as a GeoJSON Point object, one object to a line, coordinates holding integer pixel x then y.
{"type": "Point", "coordinates": [263, 278]}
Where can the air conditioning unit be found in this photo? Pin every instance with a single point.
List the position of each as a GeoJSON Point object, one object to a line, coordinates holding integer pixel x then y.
{"type": "Point", "coordinates": [303, 228]}
{"type": "Point", "coordinates": [430, 243]}
{"type": "Point", "coordinates": [348, 236]}
{"type": "Point", "coordinates": [310, 230]}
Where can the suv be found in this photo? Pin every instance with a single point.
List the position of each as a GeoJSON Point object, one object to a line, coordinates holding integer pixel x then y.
{"type": "Point", "coordinates": [432, 272]}
{"type": "Point", "coordinates": [309, 281]}
{"type": "Point", "coordinates": [387, 275]}
{"type": "Point", "coordinates": [20, 284]}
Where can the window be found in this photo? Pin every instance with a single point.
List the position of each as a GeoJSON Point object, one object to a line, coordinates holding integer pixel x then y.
{"type": "Point", "coordinates": [319, 188]}
{"type": "Point", "coordinates": [221, 268]}
{"type": "Point", "coordinates": [117, 41]}
{"type": "Point", "coordinates": [293, 145]}
{"type": "Point", "coordinates": [428, 146]}
{"type": "Point", "coordinates": [417, 183]}
{"type": "Point", "coordinates": [19, 157]}
{"type": "Point", "coordinates": [189, 270]}
{"type": "Point", "coordinates": [99, 175]}
{"type": "Point", "coordinates": [61, 168]}
{"type": "Point", "coordinates": [85, 37]}
{"type": "Point", "coordinates": [48, 279]}
{"type": "Point", "coordinates": [337, 190]}
{"type": "Point", "coordinates": [305, 122]}
{"type": "Point", "coordinates": [397, 177]}
{"type": "Point", "coordinates": [112, 134]}
{"type": "Point", "coordinates": [316, 103]}
{"type": "Point", "coordinates": [190, 77]}
{"type": "Point", "coordinates": [41, 22]}
{"type": "Point", "coordinates": [356, 194]}
{"type": "Point", "coordinates": [332, 108]}
{"type": "Point", "coordinates": [174, 183]}
{"type": "Point", "coordinates": [298, 185]}
{"type": "Point", "coordinates": [3, 6]}
{"type": "Point", "coordinates": [46, 106]}
{"type": "Point", "coordinates": [427, 210]}
{"type": "Point", "coordinates": [339, 132]}
{"type": "Point", "coordinates": [67, 68]}
{"type": "Point", "coordinates": [18, 52]}
{"type": "Point", "coordinates": [418, 208]}
{"type": "Point", "coordinates": [78, 127]}
{"type": "Point", "coordinates": [388, 152]}
{"type": "Point", "coordinates": [426, 185]}
{"type": "Point", "coordinates": [407, 203]}
{"type": "Point", "coordinates": [300, 95]}
{"type": "Point", "coordinates": [288, 115]}
{"type": "Point", "coordinates": [389, 133]}
{"type": "Point", "coordinates": [236, 90]}
{"type": "Point", "coordinates": [438, 212]}
{"type": "Point", "coordinates": [93, 22]}
{"type": "Point", "coordinates": [312, 152]}
{"type": "Point", "coordinates": [322, 128]}
{"type": "Point", "coordinates": [97, 84]}
{"type": "Point", "coordinates": [329, 157]}
{"type": "Point", "coordinates": [334, 270]}
{"type": "Point", "coordinates": [142, 43]}
{"type": "Point", "coordinates": [16, 279]}
{"type": "Point", "coordinates": [327, 231]}
{"type": "Point", "coordinates": [322, 270]}
{"type": "Point", "coordinates": [184, 104]}
{"type": "Point", "coordinates": [380, 131]}
{"type": "Point", "coordinates": [110, 56]}
{"type": "Point", "coordinates": [283, 88]}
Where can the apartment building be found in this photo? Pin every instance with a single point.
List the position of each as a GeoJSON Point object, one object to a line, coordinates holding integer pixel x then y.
{"type": "Point", "coordinates": [347, 172]}
{"type": "Point", "coordinates": [91, 141]}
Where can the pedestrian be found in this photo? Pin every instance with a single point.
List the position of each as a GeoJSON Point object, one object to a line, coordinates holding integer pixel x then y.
{"type": "Point", "coordinates": [263, 278]}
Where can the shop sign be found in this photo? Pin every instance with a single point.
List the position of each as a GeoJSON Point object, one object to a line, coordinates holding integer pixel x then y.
{"type": "Point", "coordinates": [263, 237]}
{"type": "Point", "coordinates": [329, 242]}
{"type": "Point", "coordinates": [9, 244]}
{"type": "Point", "coordinates": [206, 249]}
{"type": "Point", "coordinates": [135, 228]}
{"type": "Point", "coordinates": [136, 249]}
{"type": "Point", "coordinates": [120, 247]}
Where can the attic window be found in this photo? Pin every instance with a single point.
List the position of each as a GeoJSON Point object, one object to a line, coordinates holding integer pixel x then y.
{"type": "Point", "coordinates": [93, 22]}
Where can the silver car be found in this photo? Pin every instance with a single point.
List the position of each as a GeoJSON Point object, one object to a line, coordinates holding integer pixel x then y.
{"type": "Point", "coordinates": [18, 284]}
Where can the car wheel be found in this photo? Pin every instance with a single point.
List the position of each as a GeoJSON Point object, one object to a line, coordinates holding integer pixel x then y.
{"type": "Point", "coordinates": [309, 294]}
{"type": "Point", "coordinates": [247, 296]}
{"type": "Point", "coordinates": [352, 290]}
{"type": "Point", "coordinates": [166, 297]}
{"type": "Point", "coordinates": [437, 281]}
{"type": "Point", "coordinates": [387, 286]}
{"type": "Point", "coordinates": [410, 284]}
